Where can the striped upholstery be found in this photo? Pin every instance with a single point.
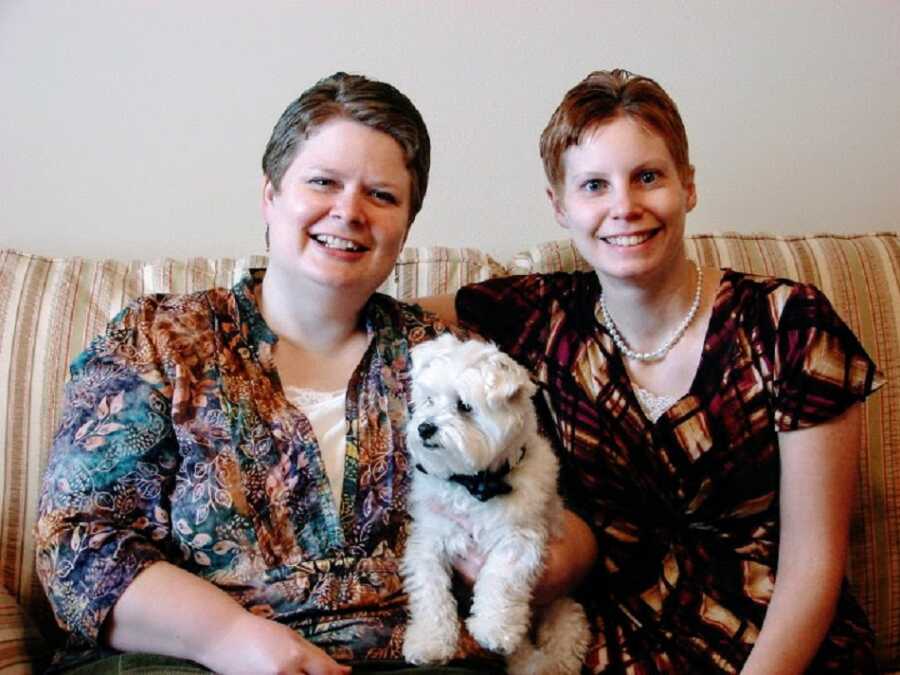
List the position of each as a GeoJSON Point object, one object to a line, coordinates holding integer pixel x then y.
{"type": "Point", "coordinates": [418, 272]}
{"type": "Point", "coordinates": [51, 307]}
{"type": "Point", "coordinates": [861, 276]}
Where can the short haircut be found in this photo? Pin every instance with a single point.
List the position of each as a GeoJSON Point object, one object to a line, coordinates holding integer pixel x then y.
{"type": "Point", "coordinates": [601, 97]}
{"type": "Point", "coordinates": [378, 105]}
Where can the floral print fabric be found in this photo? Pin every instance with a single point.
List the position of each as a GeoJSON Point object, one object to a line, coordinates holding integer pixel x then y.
{"type": "Point", "coordinates": [177, 443]}
{"type": "Point", "coordinates": [685, 509]}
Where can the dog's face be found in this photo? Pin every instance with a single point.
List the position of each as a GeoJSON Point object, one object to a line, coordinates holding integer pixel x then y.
{"type": "Point", "coordinates": [472, 407]}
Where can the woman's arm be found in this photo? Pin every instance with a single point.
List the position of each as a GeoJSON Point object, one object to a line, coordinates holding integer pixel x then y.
{"type": "Point", "coordinates": [442, 305]}
{"type": "Point", "coordinates": [818, 471]}
{"type": "Point", "coordinates": [571, 555]}
{"type": "Point", "coordinates": [103, 518]}
{"type": "Point", "coordinates": [167, 610]}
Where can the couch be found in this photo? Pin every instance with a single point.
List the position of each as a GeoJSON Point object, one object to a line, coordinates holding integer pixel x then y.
{"type": "Point", "coordinates": [50, 307]}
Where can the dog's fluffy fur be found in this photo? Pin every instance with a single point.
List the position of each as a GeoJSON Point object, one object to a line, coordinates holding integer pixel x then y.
{"type": "Point", "coordinates": [472, 411]}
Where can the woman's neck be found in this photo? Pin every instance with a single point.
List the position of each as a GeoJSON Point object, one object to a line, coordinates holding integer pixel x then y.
{"type": "Point", "coordinates": [321, 336]}
{"type": "Point", "coordinates": [647, 310]}
{"type": "Point", "coordinates": [307, 315]}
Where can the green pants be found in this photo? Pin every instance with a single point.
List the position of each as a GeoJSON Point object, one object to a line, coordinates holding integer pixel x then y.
{"type": "Point", "coordinates": [154, 664]}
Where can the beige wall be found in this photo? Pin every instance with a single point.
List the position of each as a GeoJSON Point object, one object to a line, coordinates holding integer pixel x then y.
{"type": "Point", "coordinates": [134, 127]}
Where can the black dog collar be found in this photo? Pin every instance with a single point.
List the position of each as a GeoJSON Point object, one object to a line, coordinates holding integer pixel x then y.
{"type": "Point", "coordinates": [485, 484]}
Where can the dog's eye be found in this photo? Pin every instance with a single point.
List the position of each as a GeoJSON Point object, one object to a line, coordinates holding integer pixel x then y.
{"type": "Point", "coordinates": [462, 406]}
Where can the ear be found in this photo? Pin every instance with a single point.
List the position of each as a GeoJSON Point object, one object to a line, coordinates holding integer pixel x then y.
{"type": "Point", "coordinates": [691, 187]}
{"type": "Point", "coordinates": [268, 195]}
{"type": "Point", "coordinates": [559, 208]}
{"type": "Point", "coordinates": [524, 389]}
{"type": "Point", "coordinates": [425, 352]}
{"type": "Point", "coordinates": [508, 381]}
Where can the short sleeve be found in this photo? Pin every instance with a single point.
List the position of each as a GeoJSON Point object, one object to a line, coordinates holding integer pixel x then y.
{"type": "Point", "coordinates": [820, 367]}
{"type": "Point", "coordinates": [103, 509]}
{"type": "Point", "coordinates": [511, 311]}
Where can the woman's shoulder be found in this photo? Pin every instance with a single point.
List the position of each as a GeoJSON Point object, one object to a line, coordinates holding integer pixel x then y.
{"type": "Point", "coordinates": [389, 313]}
{"type": "Point", "coordinates": [538, 283]}
{"type": "Point", "coordinates": [400, 326]}
{"type": "Point", "coordinates": [153, 325]}
{"type": "Point", "coordinates": [523, 295]}
{"type": "Point", "coordinates": [517, 312]}
{"type": "Point", "coordinates": [775, 293]}
{"type": "Point", "coordinates": [160, 309]}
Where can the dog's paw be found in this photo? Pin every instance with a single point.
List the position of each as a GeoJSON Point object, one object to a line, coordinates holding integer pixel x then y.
{"type": "Point", "coordinates": [427, 643]}
{"type": "Point", "coordinates": [496, 636]}
{"type": "Point", "coordinates": [563, 637]}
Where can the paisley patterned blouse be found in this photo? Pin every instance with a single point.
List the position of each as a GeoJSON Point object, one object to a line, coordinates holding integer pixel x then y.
{"type": "Point", "coordinates": [177, 443]}
{"type": "Point", "coordinates": [685, 510]}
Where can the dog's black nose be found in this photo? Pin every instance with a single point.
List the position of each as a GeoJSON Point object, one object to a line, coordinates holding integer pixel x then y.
{"type": "Point", "coordinates": [427, 430]}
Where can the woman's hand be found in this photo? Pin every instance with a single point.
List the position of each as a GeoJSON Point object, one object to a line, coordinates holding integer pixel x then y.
{"type": "Point", "coordinates": [252, 644]}
{"type": "Point", "coordinates": [167, 610]}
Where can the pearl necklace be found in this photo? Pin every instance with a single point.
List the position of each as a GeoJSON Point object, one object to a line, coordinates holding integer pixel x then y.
{"type": "Point", "coordinates": [664, 348]}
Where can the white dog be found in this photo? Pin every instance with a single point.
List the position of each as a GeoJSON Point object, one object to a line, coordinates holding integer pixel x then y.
{"type": "Point", "coordinates": [485, 479]}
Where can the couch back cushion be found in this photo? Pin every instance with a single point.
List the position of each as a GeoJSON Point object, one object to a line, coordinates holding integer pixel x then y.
{"type": "Point", "coordinates": [51, 307]}
{"type": "Point", "coordinates": [861, 276]}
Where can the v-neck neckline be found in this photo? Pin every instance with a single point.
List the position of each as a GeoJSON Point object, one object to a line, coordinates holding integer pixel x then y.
{"type": "Point", "coordinates": [616, 358]}
{"type": "Point", "coordinates": [339, 518]}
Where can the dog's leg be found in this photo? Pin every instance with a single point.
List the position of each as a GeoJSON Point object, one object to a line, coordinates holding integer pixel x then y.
{"type": "Point", "coordinates": [433, 629]}
{"type": "Point", "coordinates": [501, 605]}
{"type": "Point", "coordinates": [563, 637]}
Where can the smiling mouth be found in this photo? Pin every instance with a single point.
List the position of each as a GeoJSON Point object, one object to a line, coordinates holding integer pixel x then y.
{"type": "Point", "coordinates": [336, 243]}
{"type": "Point", "coordinates": [626, 240]}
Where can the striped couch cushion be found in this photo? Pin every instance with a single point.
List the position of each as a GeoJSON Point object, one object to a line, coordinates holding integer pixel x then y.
{"type": "Point", "coordinates": [861, 276]}
{"type": "Point", "coordinates": [51, 307]}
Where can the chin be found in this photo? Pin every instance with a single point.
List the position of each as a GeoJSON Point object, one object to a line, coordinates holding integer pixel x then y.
{"type": "Point", "coordinates": [347, 278]}
{"type": "Point", "coordinates": [624, 264]}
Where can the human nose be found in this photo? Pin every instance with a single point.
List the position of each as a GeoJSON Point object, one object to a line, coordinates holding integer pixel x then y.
{"type": "Point", "coordinates": [626, 205]}
{"type": "Point", "coordinates": [348, 206]}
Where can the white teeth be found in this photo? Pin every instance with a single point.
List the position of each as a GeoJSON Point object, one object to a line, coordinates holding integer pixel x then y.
{"type": "Point", "coordinates": [628, 239]}
{"type": "Point", "coordinates": [336, 242]}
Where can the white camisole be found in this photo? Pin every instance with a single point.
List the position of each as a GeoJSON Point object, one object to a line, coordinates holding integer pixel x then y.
{"type": "Point", "coordinates": [326, 412]}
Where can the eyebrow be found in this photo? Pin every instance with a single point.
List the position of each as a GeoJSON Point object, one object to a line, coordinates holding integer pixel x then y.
{"type": "Point", "coordinates": [588, 175]}
{"type": "Point", "coordinates": [378, 182]}
{"type": "Point", "coordinates": [652, 163]}
{"type": "Point", "coordinates": [316, 168]}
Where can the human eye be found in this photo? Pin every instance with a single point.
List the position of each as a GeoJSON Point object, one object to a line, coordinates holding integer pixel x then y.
{"type": "Point", "coordinates": [385, 196]}
{"type": "Point", "coordinates": [594, 185]}
{"type": "Point", "coordinates": [648, 176]}
{"type": "Point", "coordinates": [320, 181]}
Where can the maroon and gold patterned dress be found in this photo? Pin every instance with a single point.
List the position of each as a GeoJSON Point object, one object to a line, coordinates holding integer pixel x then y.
{"type": "Point", "coordinates": [685, 509]}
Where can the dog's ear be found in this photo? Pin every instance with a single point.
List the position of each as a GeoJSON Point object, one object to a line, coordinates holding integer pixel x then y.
{"type": "Point", "coordinates": [426, 352]}
{"type": "Point", "coordinates": [507, 380]}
